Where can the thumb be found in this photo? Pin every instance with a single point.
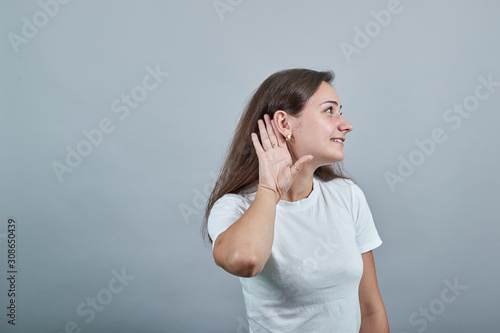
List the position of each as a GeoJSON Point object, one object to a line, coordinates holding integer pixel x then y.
{"type": "Point", "coordinates": [300, 164]}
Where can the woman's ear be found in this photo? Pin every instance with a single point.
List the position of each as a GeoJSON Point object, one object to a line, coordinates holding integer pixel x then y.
{"type": "Point", "coordinates": [283, 122]}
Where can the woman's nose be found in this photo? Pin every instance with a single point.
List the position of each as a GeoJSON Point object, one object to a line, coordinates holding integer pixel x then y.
{"type": "Point", "coordinates": [345, 125]}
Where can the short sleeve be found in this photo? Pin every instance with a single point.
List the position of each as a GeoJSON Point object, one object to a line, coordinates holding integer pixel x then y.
{"type": "Point", "coordinates": [367, 236]}
{"type": "Point", "coordinates": [227, 210]}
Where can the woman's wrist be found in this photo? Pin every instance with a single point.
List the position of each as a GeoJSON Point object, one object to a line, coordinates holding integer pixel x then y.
{"type": "Point", "coordinates": [268, 193]}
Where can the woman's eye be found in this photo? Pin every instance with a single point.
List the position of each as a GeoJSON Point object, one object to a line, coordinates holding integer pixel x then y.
{"type": "Point", "coordinates": [330, 110]}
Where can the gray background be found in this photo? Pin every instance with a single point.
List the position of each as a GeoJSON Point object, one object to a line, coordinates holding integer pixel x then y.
{"type": "Point", "coordinates": [134, 203]}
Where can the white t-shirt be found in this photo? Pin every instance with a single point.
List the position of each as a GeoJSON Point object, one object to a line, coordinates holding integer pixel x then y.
{"type": "Point", "coordinates": [311, 280]}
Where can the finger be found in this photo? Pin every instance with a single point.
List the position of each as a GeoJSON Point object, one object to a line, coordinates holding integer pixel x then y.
{"type": "Point", "coordinates": [266, 143]}
{"type": "Point", "coordinates": [280, 138]}
{"type": "Point", "coordinates": [270, 130]}
{"type": "Point", "coordinates": [297, 167]}
{"type": "Point", "coordinates": [256, 144]}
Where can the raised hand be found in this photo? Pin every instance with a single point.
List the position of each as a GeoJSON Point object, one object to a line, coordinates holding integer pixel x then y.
{"type": "Point", "coordinates": [276, 172]}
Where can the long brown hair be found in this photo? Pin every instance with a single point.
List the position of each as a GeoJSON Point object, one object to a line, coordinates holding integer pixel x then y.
{"type": "Point", "coordinates": [287, 90]}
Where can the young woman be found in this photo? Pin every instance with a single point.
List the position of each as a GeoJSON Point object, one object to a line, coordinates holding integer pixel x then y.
{"type": "Point", "coordinates": [285, 220]}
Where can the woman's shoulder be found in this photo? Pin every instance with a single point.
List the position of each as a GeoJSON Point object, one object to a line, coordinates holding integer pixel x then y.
{"type": "Point", "coordinates": [341, 186]}
{"type": "Point", "coordinates": [241, 199]}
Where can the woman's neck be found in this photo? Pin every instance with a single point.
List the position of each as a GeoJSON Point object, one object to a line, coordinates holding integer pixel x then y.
{"type": "Point", "coordinates": [302, 185]}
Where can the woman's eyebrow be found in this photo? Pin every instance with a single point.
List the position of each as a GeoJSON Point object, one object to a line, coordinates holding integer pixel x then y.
{"type": "Point", "coordinates": [333, 102]}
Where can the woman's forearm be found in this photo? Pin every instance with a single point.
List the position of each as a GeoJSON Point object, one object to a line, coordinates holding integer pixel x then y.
{"type": "Point", "coordinates": [243, 249]}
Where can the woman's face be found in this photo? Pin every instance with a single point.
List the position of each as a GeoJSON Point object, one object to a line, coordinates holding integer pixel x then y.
{"type": "Point", "coordinates": [316, 127]}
